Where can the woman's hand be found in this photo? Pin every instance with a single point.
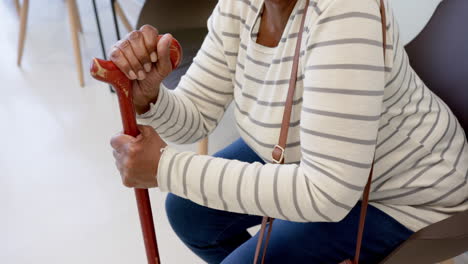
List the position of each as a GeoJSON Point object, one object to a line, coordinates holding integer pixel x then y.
{"type": "Point", "coordinates": [146, 61]}
{"type": "Point", "coordinates": [138, 158]}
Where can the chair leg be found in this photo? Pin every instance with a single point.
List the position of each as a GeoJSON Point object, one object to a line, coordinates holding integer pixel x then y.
{"type": "Point", "coordinates": [22, 30]}
{"type": "Point", "coordinates": [449, 261]}
{"type": "Point", "coordinates": [203, 146]}
{"type": "Point", "coordinates": [18, 7]}
{"type": "Point", "coordinates": [78, 17]}
{"type": "Point", "coordinates": [123, 17]}
{"type": "Point", "coordinates": [72, 13]}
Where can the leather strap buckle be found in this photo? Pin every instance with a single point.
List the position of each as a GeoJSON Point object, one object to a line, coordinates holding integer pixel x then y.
{"type": "Point", "coordinates": [280, 159]}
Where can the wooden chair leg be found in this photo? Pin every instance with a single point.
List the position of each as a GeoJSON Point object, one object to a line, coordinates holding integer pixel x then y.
{"type": "Point", "coordinates": [18, 7]}
{"type": "Point", "coordinates": [72, 13]}
{"type": "Point", "coordinates": [450, 261]}
{"type": "Point", "coordinates": [78, 18]}
{"type": "Point", "coordinates": [119, 11]}
{"type": "Point", "coordinates": [203, 146]}
{"type": "Point", "coordinates": [22, 30]}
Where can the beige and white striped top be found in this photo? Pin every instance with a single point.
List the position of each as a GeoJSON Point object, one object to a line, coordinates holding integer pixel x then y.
{"type": "Point", "coordinates": [347, 104]}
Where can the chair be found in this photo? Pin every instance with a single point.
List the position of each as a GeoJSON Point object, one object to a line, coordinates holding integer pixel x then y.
{"type": "Point", "coordinates": [18, 7]}
{"type": "Point", "coordinates": [189, 28]}
{"type": "Point", "coordinates": [75, 28]}
{"type": "Point", "coordinates": [439, 54]}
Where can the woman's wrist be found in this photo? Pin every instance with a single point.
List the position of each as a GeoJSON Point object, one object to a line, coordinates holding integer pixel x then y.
{"type": "Point", "coordinates": [144, 107]}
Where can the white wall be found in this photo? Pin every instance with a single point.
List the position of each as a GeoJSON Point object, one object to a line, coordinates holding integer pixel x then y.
{"type": "Point", "coordinates": [413, 15]}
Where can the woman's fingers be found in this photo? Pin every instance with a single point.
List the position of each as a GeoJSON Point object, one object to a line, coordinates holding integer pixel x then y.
{"type": "Point", "coordinates": [164, 65]}
{"type": "Point", "coordinates": [126, 48]}
{"type": "Point", "coordinates": [120, 142]}
{"type": "Point", "coordinates": [139, 49]}
{"type": "Point", "coordinates": [150, 38]}
{"type": "Point", "coordinates": [122, 63]}
{"type": "Point", "coordinates": [117, 155]}
{"type": "Point", "coordinates": [137, 159]}
{"type": "Point", "coordinates": [136, 54]}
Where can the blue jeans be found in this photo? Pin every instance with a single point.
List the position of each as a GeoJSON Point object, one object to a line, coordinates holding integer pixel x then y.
{"type": "Point", "coordinates": [221, 237]}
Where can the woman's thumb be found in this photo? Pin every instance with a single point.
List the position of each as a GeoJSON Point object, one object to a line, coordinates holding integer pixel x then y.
{"type": "Point", "coordinates": [164, 65]}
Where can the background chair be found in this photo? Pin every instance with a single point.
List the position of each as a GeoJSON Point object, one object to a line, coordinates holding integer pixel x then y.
{"type": "Point", "coordinates": [189, 28]}
{"type": "Point", "coordinates": [121, 14]}
{"type": "Point", "coordinates": [439, 54]}
{"type": "Point", "coordinates": [17, 6]}
{"type": "Point", "coordinates": [75, 28]}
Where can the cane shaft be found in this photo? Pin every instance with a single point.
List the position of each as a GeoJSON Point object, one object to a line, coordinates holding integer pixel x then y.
{"type": "Point", "coordinates": [127, 111]}
{"type": "Point", "coordinates": [108, 72]}
{"type": "Point", "coordinates": [147, 225]}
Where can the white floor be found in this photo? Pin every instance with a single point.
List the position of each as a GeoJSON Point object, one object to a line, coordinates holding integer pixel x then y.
{"type": "Point", "coordinates": [61, 200]}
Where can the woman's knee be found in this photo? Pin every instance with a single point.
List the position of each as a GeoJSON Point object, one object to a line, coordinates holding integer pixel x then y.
{"type": "Point", "coordinates": [178, 212]}
{"type": "Point", "coordinates": [189, 221]}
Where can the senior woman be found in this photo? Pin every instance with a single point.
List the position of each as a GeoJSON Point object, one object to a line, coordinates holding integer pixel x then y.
{"type": "Point", "coordinates": [348, 105]}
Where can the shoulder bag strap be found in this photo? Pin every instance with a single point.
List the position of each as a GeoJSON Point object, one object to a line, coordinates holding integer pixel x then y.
{"type": "Point", "coordinates": [278, 150]}
{"type": "Point", "coordinates": [365, 196]}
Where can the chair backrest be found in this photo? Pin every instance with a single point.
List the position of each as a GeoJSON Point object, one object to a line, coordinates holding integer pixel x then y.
{"type": "Point", "coordinates": [173, 15]}
{"type": "Point", "coordinates": [435, 243]}
{"type": "Point", "coordinates": [185, 20]}
{"type": "Point", "coordinates": [439, 54]}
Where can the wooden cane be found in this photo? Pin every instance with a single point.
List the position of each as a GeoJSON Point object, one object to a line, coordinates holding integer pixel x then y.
{"type": "Point", "coordinates": [107, 71]}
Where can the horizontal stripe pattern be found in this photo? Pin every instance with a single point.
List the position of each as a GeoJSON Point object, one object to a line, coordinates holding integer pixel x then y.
{"type": "Point", "coordinates": [347, 105]}
{"type": "Point", "coordinates": [360, 67]}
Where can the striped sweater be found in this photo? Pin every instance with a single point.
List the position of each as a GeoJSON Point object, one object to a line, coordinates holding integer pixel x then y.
{"type": "Point", "coordinates": [348, 105]}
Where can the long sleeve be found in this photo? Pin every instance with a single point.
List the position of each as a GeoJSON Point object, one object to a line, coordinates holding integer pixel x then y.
{"type": "Point", "coordinates": [342, 100]}
{"type": "Point", "coordinates": [195, 107]}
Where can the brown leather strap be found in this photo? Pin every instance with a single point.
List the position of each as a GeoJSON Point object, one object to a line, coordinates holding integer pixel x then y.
{"type": "Point", "coordinates": [383, 16]}
{"type": "Point", "coordinates": [265, 221]}
{"type": "Point", "coordinates": [362, 217]}
{"type": "Point", "coordinates": [278, 151]}
{"type": "Point", "coordinates": [260, 238]}
{"type": "Point", "coordinates": [365, 196]}
{"type": "Point", "coordinates": [267, 239]}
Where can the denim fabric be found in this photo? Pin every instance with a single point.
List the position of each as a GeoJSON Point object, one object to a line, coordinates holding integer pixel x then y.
{"type": "Point", "coordinates": [221, 237]}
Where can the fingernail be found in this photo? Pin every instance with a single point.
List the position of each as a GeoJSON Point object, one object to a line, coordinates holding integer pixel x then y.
{"type": "Point", "coordinates": [169, 43]}
{"type": "Point", "coordinates": [153, 56]}
{"type": "Point", "coordinates": [141, 75]}
{"type": "Point", "coordinates": [147, 67]}
{"type": "Point", "coordinates": [132, 75]}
